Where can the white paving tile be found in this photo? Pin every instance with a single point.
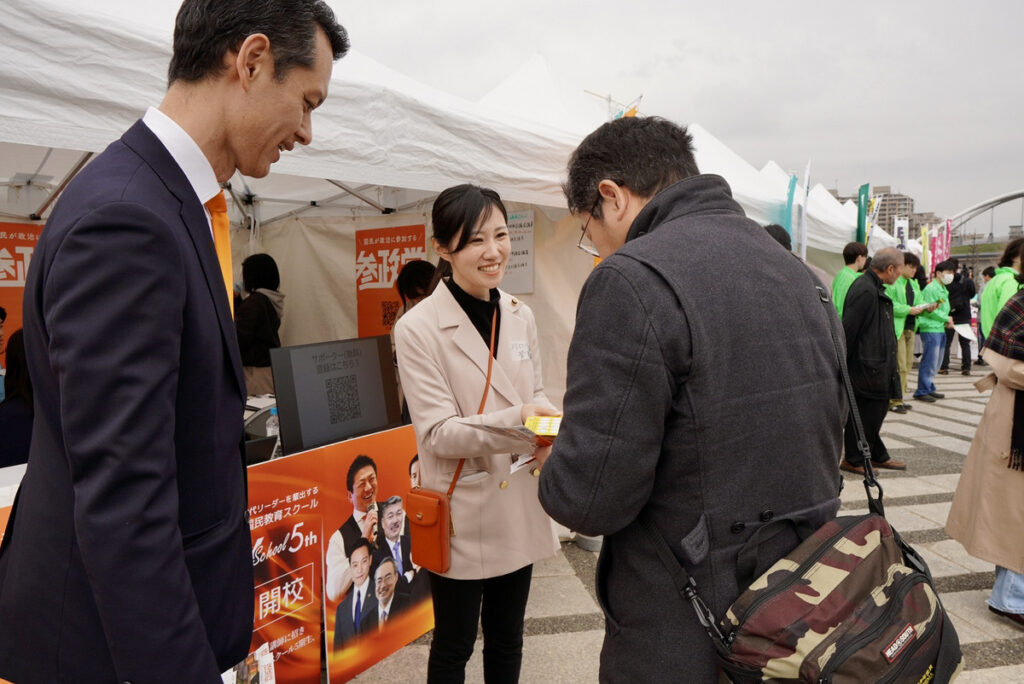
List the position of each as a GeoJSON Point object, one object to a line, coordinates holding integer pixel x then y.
{"type": "Point", "coordinates": [969, 608]}
{"type": "Point", "coordinates": [945, 482]}
{"type": "Point", "coordinates": [939, 565]}
{"type": "Point", "coordinates": [936, 512]}
{"type": "Point", "coordinates": [904, 429]}
{"type": "Point", "coordinates": [954, 551]}
{"type": "Point", "coordinates": [900, 518]}
{"type": "Point", "coordinates": [1010, 674]}
{"type": "Point", "coordinates": [954, 444]}
{"type": "Point", "coordinates": [557, 595]}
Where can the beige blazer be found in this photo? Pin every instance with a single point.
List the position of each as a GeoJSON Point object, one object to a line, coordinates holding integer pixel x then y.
{"type": "Point", "coordinates": [987, 514]}
{"type": "Point", "coordinates": [500, 526]}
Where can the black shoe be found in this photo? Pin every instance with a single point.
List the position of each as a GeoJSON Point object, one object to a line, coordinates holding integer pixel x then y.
{"type": "Point", "coordinates": [943, 371]}
{"type": "Point", "coordinates": [926, 397]}
{"type": "Point", "coordinates": [907, 406]}
{"type": "Point", "coordinates": [898, 408]}
{"type": "Point", "coordinates": [1016, 617]}
{"type": "Point", "coordinates": [980, 362]}
{"type": "Point", "coordinates": [936, 395]}
{"type": "Point", "coordinates": [965, 371]}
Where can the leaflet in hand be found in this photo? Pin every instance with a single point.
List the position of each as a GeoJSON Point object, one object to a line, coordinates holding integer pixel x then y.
{"type": "Point", "coordinates": [538, 431]}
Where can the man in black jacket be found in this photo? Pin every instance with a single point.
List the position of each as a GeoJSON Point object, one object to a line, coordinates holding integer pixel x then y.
{"type": "Point", "coordinates": [871, 357]}
{"type": "Point", "coordinates": [961, 291]}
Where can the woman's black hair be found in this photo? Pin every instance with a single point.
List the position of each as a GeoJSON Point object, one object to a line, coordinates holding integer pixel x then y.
{"type": "Point", "coordinates": [457, 213]}
{"type": "Point", "coordinates": [414, 280]}
{"type": "Point", "coordinates": [17, 382]}
{"type": "Point", "coordinates": [260, 271]}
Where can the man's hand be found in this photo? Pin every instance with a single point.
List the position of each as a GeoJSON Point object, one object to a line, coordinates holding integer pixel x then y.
{"type": "Point", "coordinates": [916, 310]}
{"type": "Point", "coordinates": [541, 454]}
{"type": "Point", "coordinates": [368, 523]}
{"type": "Point", "coordinates": [933, 306]}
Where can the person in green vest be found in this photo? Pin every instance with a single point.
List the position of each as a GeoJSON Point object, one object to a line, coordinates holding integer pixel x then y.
{"type": "Point", "coordinates": [932, 327]}
{"type": "Point", "coordinates": [855, 255]}
{"type": "Point", "coordinates": [1003, 285]}
{"type": "Point", "coordinates": [905, 294]}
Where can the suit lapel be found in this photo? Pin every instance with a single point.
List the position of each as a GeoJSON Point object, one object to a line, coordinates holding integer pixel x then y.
{"type": "Point", "coordinates": [468, 340]}
{"type": "Point", "coordinates": [149, 147]}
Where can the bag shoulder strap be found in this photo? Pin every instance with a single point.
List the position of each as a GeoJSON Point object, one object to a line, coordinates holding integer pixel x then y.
{"type": "Point", "coordinates": [483, 399]}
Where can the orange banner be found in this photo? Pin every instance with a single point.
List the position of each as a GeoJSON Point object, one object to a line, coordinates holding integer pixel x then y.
{"type": "Point", "coordinates": [380, 255]}
{"type": "Point", "coordinates": [405, 590]}
{"type": "Point", "coordinates": [17, 243]}
{"type": "Point", "coordinates": [285, 520]}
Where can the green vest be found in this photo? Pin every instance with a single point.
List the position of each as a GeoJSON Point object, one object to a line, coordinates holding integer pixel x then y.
{"type": "Point", "coordinates": [897, 292]}
{"type": "Point", "coordinates": [934, 321]}
{"type": "Point", "coordinates": [841, 285]}
{"type": "Point", "coordinates": [995, 295]}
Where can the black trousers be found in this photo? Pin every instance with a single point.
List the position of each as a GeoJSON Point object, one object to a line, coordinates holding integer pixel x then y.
{"type": "Point", "coordinates": [872, 414]}
{"type": "Point", "coordinates": [965, 351]}
{"type": "Point", "coordinates": [499, 604]}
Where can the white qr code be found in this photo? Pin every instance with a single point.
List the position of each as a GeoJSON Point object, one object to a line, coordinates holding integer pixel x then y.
{"type": "Point", "coordinates": [343, 399]}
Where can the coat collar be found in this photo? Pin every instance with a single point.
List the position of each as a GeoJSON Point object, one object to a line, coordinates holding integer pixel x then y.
{"type": "Point", "coordinates": [142, 140]}
{"type": "Point", "coordinates": [466, 337]}
{"type": "Point", "coordinates": [706, 193]}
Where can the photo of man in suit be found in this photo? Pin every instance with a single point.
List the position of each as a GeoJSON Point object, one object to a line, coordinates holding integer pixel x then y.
{"type": "Point", "coordinates": [128, 556]}
{"type": "Point", "coordinates": [395, 544]}
{"type": "Point", "coordinates": [354, 612]}
{"type": "Point", "coordinates": [389, 602]}
{"type": "Point", "coordinates": [361, 481]}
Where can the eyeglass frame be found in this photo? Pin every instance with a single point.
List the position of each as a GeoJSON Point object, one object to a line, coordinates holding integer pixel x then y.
{"type": "Point", "coordinates": [589, 249]}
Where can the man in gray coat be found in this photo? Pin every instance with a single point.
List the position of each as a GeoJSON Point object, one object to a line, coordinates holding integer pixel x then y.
{"type": "Point", "coordinates": [703, 395]}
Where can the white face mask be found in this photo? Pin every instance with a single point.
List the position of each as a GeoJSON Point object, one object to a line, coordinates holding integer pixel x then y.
{"type": "Point", "coordinates": [946, 278]}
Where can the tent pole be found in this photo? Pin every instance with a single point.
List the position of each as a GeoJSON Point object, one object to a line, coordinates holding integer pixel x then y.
{"type": "Point", "coordinates": [356, 194]}
{"type": "Point", "coordinates": [38, 214]}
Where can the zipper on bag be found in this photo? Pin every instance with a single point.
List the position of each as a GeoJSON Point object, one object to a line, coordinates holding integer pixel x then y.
{"type": "Point", "coordinates": [904, 585]}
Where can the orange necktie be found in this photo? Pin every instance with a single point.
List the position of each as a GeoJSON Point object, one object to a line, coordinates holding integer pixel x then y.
{"type": "Point", "coordinates": [218, 208]}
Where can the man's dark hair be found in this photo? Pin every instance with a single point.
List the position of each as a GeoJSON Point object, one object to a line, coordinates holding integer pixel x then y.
{"type": "Point", "coordinates": [3, 314]}
{"type": "Point", "coordinates": [1012, 250]}
{"type": "Point", "coordinates": [413, 462]}
{"type": "Point", "coordinates": [989, 271]}
{"type": "Point", "coordinates": [361, 543]}
{"type": "Point", "coordinates": [17, 382]}
{"type": "Point", "coordinates": [946, 265]}
{"type": "Point", "coordinates": [206, 30]}
{"type": "Point", "coordinates": [460, 208]}
{"type": "Point", "coordinates": [911, 259]}
{"type": "Point", "coordinates": [852, 250]}
{"type": "Point", "coordinates": [643, 154]}
{"type": "Point", "coordinates": [360, 462]}
{"type": "Point", "coordinates": [259, 271]}
{"type": "Point", "coordinates": [780, 235]}
{"type": "Point", "coordinates": [414, 280]}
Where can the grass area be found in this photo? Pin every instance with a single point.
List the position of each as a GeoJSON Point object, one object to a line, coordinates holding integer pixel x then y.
{"type": "Point", "coordinates": [982, 248]}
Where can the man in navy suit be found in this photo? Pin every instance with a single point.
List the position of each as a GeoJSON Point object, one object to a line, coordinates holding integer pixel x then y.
{"type": "Point", "coordinates": [360, 603]}
{"type": "Point", "coordinates": [127, 556]}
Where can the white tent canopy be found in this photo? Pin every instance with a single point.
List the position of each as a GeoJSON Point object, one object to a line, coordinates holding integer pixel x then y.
{"type": "Point", "coordinates": [75, 78]}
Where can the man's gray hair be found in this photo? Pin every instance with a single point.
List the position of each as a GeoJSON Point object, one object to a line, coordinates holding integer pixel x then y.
{"type": "Point", "coordinates": [886, 257]}
{"type": "Point", "coordinates": [390, 501]}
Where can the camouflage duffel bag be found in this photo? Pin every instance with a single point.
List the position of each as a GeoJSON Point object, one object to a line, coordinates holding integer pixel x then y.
{"type": "Point", "coordinates": [844, 606]}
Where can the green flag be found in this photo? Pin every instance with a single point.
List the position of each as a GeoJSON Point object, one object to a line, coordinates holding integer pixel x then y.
{"type": "Point", "coordinates": [862, 211]}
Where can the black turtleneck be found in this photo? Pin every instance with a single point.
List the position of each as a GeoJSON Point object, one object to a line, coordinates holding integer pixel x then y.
{"type": "Point", "coordinates": [479, 311]}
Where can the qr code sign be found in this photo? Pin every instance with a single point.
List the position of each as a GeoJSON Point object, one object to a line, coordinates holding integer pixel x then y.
{"type": "Point", "coordinates": [388, 313]}
{"type": "Point", "coordinates": [343, 399]}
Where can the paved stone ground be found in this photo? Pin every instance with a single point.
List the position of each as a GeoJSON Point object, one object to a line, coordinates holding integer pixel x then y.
{"type": "Point", "coordinates": [564, 626]}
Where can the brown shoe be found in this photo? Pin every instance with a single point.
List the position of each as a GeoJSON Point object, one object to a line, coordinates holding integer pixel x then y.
{"type": "Point", "coordinates": [850, 468]}
{"type": "Point", "coordinates": [1019, 619]}
{"type": "Point", "coordinates": [890, 464]}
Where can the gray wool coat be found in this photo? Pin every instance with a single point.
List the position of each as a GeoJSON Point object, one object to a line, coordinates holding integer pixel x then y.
{"type": "Point", "coordinates": [703, 392]}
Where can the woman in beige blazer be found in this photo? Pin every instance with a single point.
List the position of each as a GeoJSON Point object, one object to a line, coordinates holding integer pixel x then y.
{"type": "Point", "coordinates": [442, 347]}
{"type": "Point", "coordinates": [987, 514]}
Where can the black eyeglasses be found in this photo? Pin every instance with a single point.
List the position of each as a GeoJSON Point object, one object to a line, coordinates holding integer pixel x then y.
{"type": "Point", "coordinates": [589, 249]}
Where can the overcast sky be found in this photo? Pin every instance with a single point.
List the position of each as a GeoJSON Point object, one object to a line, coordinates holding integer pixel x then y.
{"type": "Point", "coordinates": [923, 96]}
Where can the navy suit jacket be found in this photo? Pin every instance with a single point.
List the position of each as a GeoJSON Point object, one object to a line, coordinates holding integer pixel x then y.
{"type": "Point", "coordinates": [344, 624]}
{"type": "Point", "coordinates": [128, 556]}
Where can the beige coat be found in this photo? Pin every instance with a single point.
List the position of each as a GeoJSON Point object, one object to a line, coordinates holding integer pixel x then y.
{"type": "Point", "coordinates": [499, 524]}
{"type": "Point", "coordinates": [987, 515]}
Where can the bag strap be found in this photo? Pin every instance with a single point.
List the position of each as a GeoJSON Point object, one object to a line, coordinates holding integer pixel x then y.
{"type": "Point", "coordinates": [874, 504]}
{"type": "Point", "coordinates": [483, 399]}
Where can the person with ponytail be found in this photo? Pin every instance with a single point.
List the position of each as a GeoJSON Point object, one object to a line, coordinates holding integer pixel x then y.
{"type": "Point", "coordinates": [989, 500]}
{"type": "Point", "coordinates": [468, 356]}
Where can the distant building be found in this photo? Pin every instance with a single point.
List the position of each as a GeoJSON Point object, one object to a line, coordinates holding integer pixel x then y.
{"type": "Point", "coordinates": [924, 218]}
{"type": "Point", "coordinates": [891, 206]}
{"type": "Point", "coordinates": [1015, 232]}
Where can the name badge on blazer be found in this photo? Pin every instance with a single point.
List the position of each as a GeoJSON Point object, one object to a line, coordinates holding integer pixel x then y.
{"type": "Point", "coordinates": [521, 351]}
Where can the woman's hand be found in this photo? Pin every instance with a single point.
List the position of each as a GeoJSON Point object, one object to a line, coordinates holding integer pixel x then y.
{"type": "Point", "coordinates": [538, 410]}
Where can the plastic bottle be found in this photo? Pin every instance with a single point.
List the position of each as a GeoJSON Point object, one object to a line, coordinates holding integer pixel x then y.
{"type": "Point", "coordinates": [274, 430]}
